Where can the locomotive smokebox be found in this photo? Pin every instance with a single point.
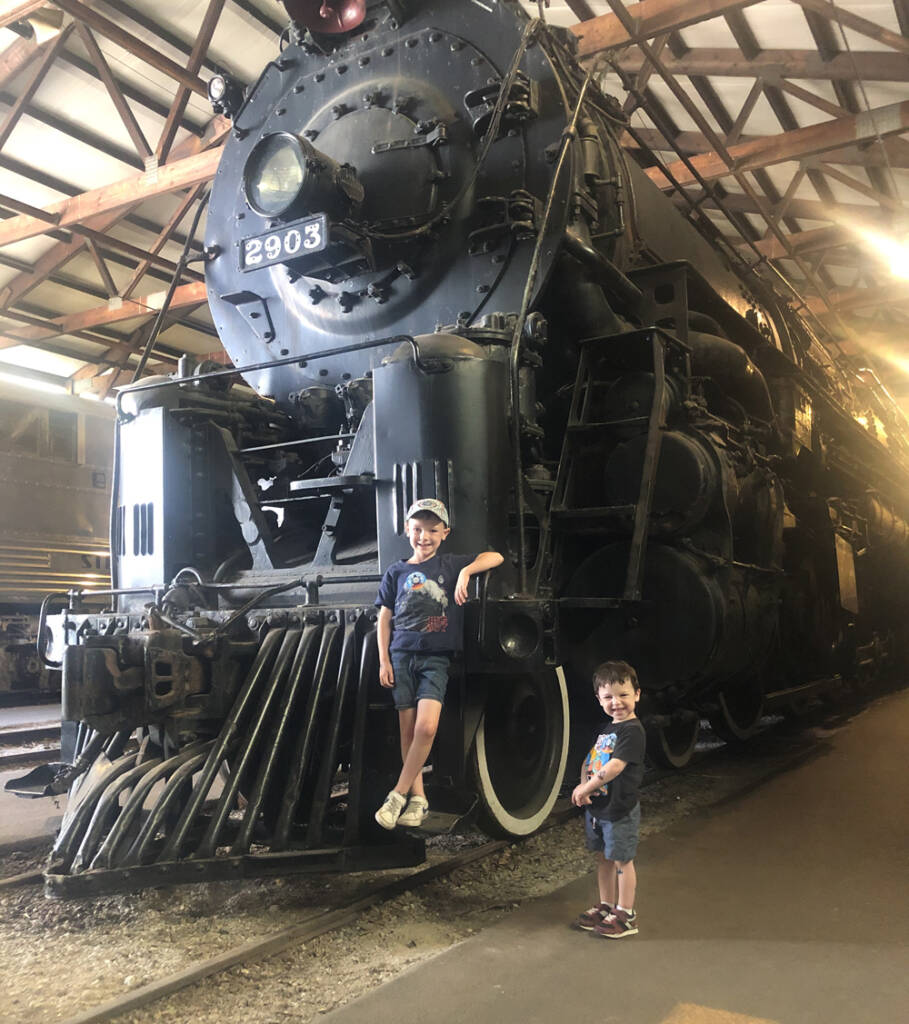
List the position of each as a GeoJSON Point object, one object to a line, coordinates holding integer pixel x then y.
{"type": "Point", "coordinates": [441, 431]}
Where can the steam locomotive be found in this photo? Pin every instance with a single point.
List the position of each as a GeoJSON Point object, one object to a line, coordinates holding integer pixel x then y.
{"type": "Point", "coordinates": [438, 275]}
{"type": "Point", "coordinates": [55, 463]}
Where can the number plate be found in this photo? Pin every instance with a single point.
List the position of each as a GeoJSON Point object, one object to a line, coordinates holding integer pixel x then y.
{"type": "Point", "coordinates": [288, 243]}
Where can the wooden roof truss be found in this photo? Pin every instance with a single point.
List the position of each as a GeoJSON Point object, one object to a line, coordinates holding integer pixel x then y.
{"type": "Point", "coordinates": [719, 172]}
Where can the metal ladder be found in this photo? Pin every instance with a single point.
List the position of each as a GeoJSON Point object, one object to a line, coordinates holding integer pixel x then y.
{"type": "Point", "coordinates": [647, 350]}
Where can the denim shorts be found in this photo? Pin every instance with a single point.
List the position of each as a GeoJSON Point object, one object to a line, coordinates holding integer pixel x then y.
{"type": "Point", "coordinates": [419, 676]}
{"type": "Point", "coordinates": [616, 840]}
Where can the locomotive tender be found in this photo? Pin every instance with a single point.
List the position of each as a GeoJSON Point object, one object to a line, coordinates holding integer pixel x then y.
{"type": "Point", "coordinates": [441, 277]}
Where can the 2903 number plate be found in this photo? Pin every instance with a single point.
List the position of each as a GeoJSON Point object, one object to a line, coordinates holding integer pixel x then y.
{"type": "Point", "coordinates": [299, 239]}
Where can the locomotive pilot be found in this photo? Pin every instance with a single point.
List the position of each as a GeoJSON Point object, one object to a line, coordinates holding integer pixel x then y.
{"type": "Point", "coordinates": [419, 628]}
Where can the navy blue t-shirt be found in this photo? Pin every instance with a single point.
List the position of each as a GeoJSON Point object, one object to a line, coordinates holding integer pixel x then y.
{"type": "Point", "coordinates": [421, 596]}
{"type": "Point", "coordinates": [626, 741]}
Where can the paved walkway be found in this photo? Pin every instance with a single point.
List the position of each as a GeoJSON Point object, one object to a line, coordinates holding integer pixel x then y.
{"type": "Point", "coordinates": [789, 905]}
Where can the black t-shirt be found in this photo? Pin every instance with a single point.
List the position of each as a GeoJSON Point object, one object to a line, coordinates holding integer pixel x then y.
{"type": "Point", "coordinates": [626, 741]}
{"type": "Point", "coordinates": [421, 595]}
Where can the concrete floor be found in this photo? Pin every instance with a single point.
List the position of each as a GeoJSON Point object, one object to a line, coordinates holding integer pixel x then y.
{"type": "Point", "coordinates": [788, 905]}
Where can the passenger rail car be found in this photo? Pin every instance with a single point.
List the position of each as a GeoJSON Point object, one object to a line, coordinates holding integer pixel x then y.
{"type": "Point", "coordinates": [55, 467]}
{"type": "Point", "coordinates": [440, 276]}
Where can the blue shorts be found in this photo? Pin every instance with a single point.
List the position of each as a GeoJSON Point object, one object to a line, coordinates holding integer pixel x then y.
{"type": "Point", "coordinates": [419, 676]}
{"type": "Point", "coordinates": [616, 840]}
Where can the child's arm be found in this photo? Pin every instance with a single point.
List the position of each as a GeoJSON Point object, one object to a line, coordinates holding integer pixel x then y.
{"type": "Point", "coordinates": [581, 794]}
{"type": "Point", "coordinates": [383, 634]}
{"type": "Point", "coordinates": [484, 561]}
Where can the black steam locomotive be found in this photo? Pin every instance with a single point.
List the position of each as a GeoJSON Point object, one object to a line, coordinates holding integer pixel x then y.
{"type": "Point", "coordinates": [440, 276]}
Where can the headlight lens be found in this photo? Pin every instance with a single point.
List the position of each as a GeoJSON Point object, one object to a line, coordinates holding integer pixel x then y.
{"type": "Point", "coordinates": [274, 174]}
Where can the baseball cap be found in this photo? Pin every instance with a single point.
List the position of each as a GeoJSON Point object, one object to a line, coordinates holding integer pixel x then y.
{"type": "Point", "coordinates": [429, 505]}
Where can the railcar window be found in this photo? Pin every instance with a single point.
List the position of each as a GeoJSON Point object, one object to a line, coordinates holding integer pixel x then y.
{"type": "Point", "coordinates": [42, 433]}
{"type": "Point", "coordinates": [62, 436]}
{"type": "Point", "coordinates": [20, 428]}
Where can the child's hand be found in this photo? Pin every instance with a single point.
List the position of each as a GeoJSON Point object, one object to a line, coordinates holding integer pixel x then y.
{"type": "Point", "coordinates": [461, 587]}
{"type": "Point", "coordinates": [580, 797]}
{"type": "Point", "coordinates": [386, 675]}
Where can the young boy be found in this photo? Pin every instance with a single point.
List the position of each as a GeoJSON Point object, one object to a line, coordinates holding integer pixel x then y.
{"type": "Point", "coordinates": [610, 785]}
{"type": "Point", "coordinates": [416, 597]}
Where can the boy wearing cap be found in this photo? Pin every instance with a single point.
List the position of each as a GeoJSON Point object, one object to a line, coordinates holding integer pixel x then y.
{"type": "Point", "coordinates": [419, 628]}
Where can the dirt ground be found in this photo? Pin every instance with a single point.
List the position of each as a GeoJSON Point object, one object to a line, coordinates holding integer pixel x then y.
{"type": "Point", "coordinates": [63, 957]}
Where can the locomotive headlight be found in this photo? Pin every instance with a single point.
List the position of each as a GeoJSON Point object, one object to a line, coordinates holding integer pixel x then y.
{"type": "Point", "coordinates": [288, 175]}
{"type": "Point", "coordinates": [274, 174]}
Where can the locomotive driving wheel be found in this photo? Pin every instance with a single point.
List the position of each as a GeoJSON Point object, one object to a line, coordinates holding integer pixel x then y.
{"type": "Point", "coordinates": [519, 753]}
{"type": "Point", "coordinates": [671, 743]}
{"type": "Point", "coordinates": [738, 713]}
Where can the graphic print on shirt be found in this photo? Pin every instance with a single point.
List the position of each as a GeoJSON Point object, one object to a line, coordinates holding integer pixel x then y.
{"type": "Point", "coordinates": [422, 605]}
{"type": "Point", "coordinates": [598, 758]}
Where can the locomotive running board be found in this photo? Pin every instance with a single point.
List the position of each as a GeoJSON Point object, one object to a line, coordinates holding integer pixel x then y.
{"type": "Point", "coordinates": [261, 797]}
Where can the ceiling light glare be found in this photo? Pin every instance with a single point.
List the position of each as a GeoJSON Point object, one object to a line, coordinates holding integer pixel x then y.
{"type": "Point", "coordinates": [887, 248]}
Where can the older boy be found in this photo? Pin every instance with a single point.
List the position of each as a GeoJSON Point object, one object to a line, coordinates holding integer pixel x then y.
{"type": "Point", "coordinates": [415, 598]}
{"type": "Point", "coordinates": [610, 786]}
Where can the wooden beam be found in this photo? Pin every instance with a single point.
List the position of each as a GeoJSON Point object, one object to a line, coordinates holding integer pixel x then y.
{"type": "Point", "coordinates": [691, 142]}
{"type": "Point", "coordinates": [115, 92]}
{"type": "Point", "coordinates": [812, 98]}
{"type": "Point", "coordinates": [860, 298]}
{"type": "Point", "coordinates": [118, 196]}
{"type": "Point", "coordinates": [43, 329]}
{"type": "Point", "coordinates": [651, 18]}
{"type": "Point", "coordinates": [792, 145]}
{"type": "Point", "coordinates": [738, 126]}
{"type": "Point", "coordinates": [643, 76]}
{"type": "Point", "coordinates": [804, 209]}
{"type": "Point", "coordinates": [580, 9]}
{"type": "Point", "coordinates": [200, 48]}
{"type": "Point", "coordinates": [804, 241]}
{"type": "Point", "coordinates": [101, 266]}
{"type": "Point", "coordinates": [113, 313]}
{"type": "Point", "coordinates": [896, 205]}
{"type": "Point", "coordinates": [60, 254]}
{"type": "Point", "coordinates": [133, 45]}
{"type": "Point", "coordinates": [730, 63]}
{"type": "Point", "coordinates": [839, 15]}
{"type": "Point", "coordinates": [32, 85]}
{"type": "Point", "coordinates": [191, 197]}
{"type": "Point", "coordinates": [18, 56]}
{"type": "Point", "coordinates": [13, 12]}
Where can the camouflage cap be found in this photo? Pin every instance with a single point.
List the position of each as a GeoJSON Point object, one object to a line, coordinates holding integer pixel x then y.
{"type": "Point", "coordinates": [429, 505]}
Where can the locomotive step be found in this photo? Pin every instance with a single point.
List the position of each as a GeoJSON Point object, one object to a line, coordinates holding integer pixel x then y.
{"type": "Point", "coordinates": [330, 484]}
{"type": "Point", "coordinates": [633, 421]}
{"type": "Point", "coordinates": [595, 512]}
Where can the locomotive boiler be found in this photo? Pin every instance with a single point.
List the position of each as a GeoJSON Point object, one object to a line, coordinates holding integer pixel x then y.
{"type": "Point", "coordinates": [439, 275]}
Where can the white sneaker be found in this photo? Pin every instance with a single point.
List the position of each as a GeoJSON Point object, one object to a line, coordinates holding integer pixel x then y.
{"type": "Point", "coordinates": [415, 814]}
{"type": "Point", "coordinates": [387, 815]}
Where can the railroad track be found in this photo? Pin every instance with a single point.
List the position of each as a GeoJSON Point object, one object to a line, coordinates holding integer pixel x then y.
{"type": "Point", "coordinates": [29, 744]}
{"type": "Point", "coordinates": [29, 734]}
{"type": "Point", "coordinates": [328, 920]}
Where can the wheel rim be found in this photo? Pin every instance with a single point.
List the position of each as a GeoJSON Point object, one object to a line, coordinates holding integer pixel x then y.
{"type": "Point", "coordinates": [739, 713]}
{"type": "Point", "coordinates": [520, 752]}
{"type": "Point", "coordinates": [672, 744]}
